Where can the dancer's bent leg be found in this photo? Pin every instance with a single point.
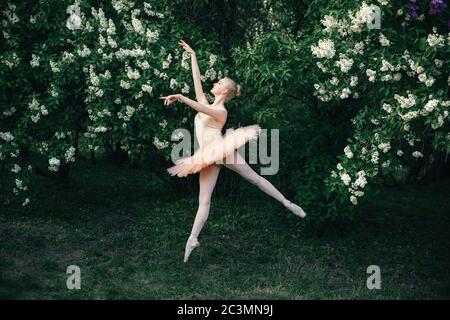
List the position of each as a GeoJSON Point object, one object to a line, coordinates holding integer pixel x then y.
{"type": "Point", "coordinates": [238, 164]}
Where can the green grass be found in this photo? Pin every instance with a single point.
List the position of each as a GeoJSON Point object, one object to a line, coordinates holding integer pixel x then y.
{"type": "Point", "coordinates": [127, 234]}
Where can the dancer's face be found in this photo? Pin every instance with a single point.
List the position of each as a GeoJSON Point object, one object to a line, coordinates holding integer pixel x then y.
{"type": "Point", "coordinates": [220, 87]}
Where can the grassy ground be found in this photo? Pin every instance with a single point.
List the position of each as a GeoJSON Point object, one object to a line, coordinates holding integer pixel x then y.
{"type": "Point", "coordinates": [127, 234]}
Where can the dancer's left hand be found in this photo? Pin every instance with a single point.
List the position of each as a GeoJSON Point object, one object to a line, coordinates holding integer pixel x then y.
{"type": "Point", "coordinates": [171, 99]}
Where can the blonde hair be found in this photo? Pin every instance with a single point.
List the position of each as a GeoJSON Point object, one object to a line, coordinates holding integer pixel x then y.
{"type": "Point", "coordinates": [234, 89]}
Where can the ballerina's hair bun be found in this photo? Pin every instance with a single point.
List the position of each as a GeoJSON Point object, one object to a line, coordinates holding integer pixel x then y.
{"type": "Point", "coordinates": [238, 90]}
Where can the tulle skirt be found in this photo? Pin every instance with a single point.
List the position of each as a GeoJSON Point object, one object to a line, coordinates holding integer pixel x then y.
{"type": "Point", "coordinates": [215, 151]}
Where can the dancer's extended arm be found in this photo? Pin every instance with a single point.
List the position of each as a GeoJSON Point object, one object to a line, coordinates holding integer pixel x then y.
{"type": "Point", "coordinates": [218, 114]}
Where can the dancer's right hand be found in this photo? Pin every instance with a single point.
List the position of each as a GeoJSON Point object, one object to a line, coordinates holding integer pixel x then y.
{"type": "Point", "coordinates": [186, 47]}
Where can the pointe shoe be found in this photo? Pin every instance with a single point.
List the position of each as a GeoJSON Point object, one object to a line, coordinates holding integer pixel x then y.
{"type": "Point", "coordinates": [297, 210]}
{"type": "Point", "coordinates": [191, 244]}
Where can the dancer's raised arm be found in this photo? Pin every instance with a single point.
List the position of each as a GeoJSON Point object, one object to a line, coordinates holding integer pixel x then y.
{"type": "Point", "coordinates": [199, 94]}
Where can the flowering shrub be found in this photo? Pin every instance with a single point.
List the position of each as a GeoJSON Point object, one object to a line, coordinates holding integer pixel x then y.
{"type": "Point", "coordinates": [76, 68]}
{"type": "Point", "coordinates": [398, 75]}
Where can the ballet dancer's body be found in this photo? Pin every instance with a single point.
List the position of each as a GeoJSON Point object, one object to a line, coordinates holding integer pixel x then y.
{"type": "Point", "coordinates": [213, 117]}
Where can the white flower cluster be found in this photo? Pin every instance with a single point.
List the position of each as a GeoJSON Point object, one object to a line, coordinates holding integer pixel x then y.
{"type": "Point", "coordinates": [173, 84]}
{"type": "Point", "coordinates": [129, 111]}
{"type": "Point", "coordinates": [43, 147]}
{"type": "Point", "coordinates": [111, 28]}
{"type": "Point", "coordinates": [9, 112]}
{"type": "Point", "coordinates": [383, 40]}
{"type": "Point", "coordinates": [160, 144]}
{"type": "Point", "coordinates": [429, 107]}
{"type": "Point", "coordinates": [360, 18]}
{"type": "Point", "coordinates": [70, 155]}
{"type": "Point", "coordinates": [386, 66]}
{"type": "Point", "coordinates": [160, 74]}
{"type": "Point", "coordinates": [185, 89]}
{"type": "Point", "coordinates": [139, 95]}
{"type": "Point", "coordinates": [95, 80]}
{"type": "Point", "coordinates": [438, 63]}
{"type": "Point", "coordinates": [20, 186]}
{"type": "Point", "coordinates": [10, 13]}
{"type": "Point", "coordinates": [344, 63]}
{"type": "Point", "coordinates": [6, 136]}
{"type": "Point", "coordinates": [330, 23]}
{"type": "Point", "coordinates": [125, 85]}
{"type": "Point", "coordinates": [122, 5]}
{"type": "Point", "coordinates": [34, 106]}
{"type": "Point", "coordinates": [357, 49]}
{"type": "Point", "coordinates": [211, 74]}
{"type": "Point", "coordinates": [25, 202]}
{"type": "Point", "coordinates": [185, 60]}
{"type": "Point", "coordinates": [132, 74]}
{"type": "Point", "coordinates": [147, 87]}
{"type": "Point", "coordinates": [60, 135]}
{"type": "Point", "coordinates": [212, 59]}
{"type": "Point", "coordinates": [371, 74]}
{"type": "Point", "coordinates": [34, 61]}
{"type": "Point", "coordinates": [429, 81]}
{"type": "Point", "coordinates": [353, 81]}
{"type": "Point", "coordinates": [163, 124]}
{"type": "Point", "coordinates": [106, 75]}
{"type": "Point", "coordinates": [124, 53]}
{"type": "Point", "coordinates": [100, 129]}
{"type": "Point", "coordinates": [152, 36]}
{"type": "Point", "coordinates": [54, 66]}
{"type": "Point", "coordinates": [144, 65]}
{"type": "Point", "coordinates": [374, 158]}
{"type": "Point", "coordinates": [360, 182]}
{"type": "Point", "coordinates": [100, 16]}
{"type": "Point", "coordinates": [384, 146]}
{"type": "Point", "coordinates": [67, 57]}
{"type": "Point", "coordinates": [84, 52]}
{"type": "Point", "coordinates": [12, 61]}
{"type": "Point", "coordinates": [136, 22]}
{"type": "Point", "coordinates": [405, 102]}
{"type": "Point", "coordinates": [345, 93]}
{"type": "Point", "coordinates": [417, 154]}
{"type": "Point", "coordinates": [324, 49]}
{"type": "Point", "coordinates": [148, 10]}
{"type": "Point", "coordinates": [16, 168]}
{"type": "Point", "coordinates": [166, 63]}
{"type": "Point", "coordinates": [53, 164]}
{"type": "Point", "coordinates": [409, 115]}
{"type": "Point", "coordinates": [435, 39]}
{"type": "Point", "coordinates": [348, 152]}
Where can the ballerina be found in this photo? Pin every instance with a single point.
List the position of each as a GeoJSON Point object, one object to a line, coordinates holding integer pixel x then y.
{"type": "Point", "coordinates": [216, 150]}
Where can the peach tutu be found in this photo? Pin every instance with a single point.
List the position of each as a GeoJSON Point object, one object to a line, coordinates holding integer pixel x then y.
{"type": "Point", "coordinates": [213, 146]}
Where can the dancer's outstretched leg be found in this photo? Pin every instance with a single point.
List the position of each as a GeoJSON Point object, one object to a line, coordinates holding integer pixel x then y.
{"type": "Point", "coordinates": [237, 163]}
{"type": "Point", "coordinates": [207, 179]}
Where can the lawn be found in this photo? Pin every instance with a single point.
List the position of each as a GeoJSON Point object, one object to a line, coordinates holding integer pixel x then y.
{"type": "Point", "coordinates": [127, 233]}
